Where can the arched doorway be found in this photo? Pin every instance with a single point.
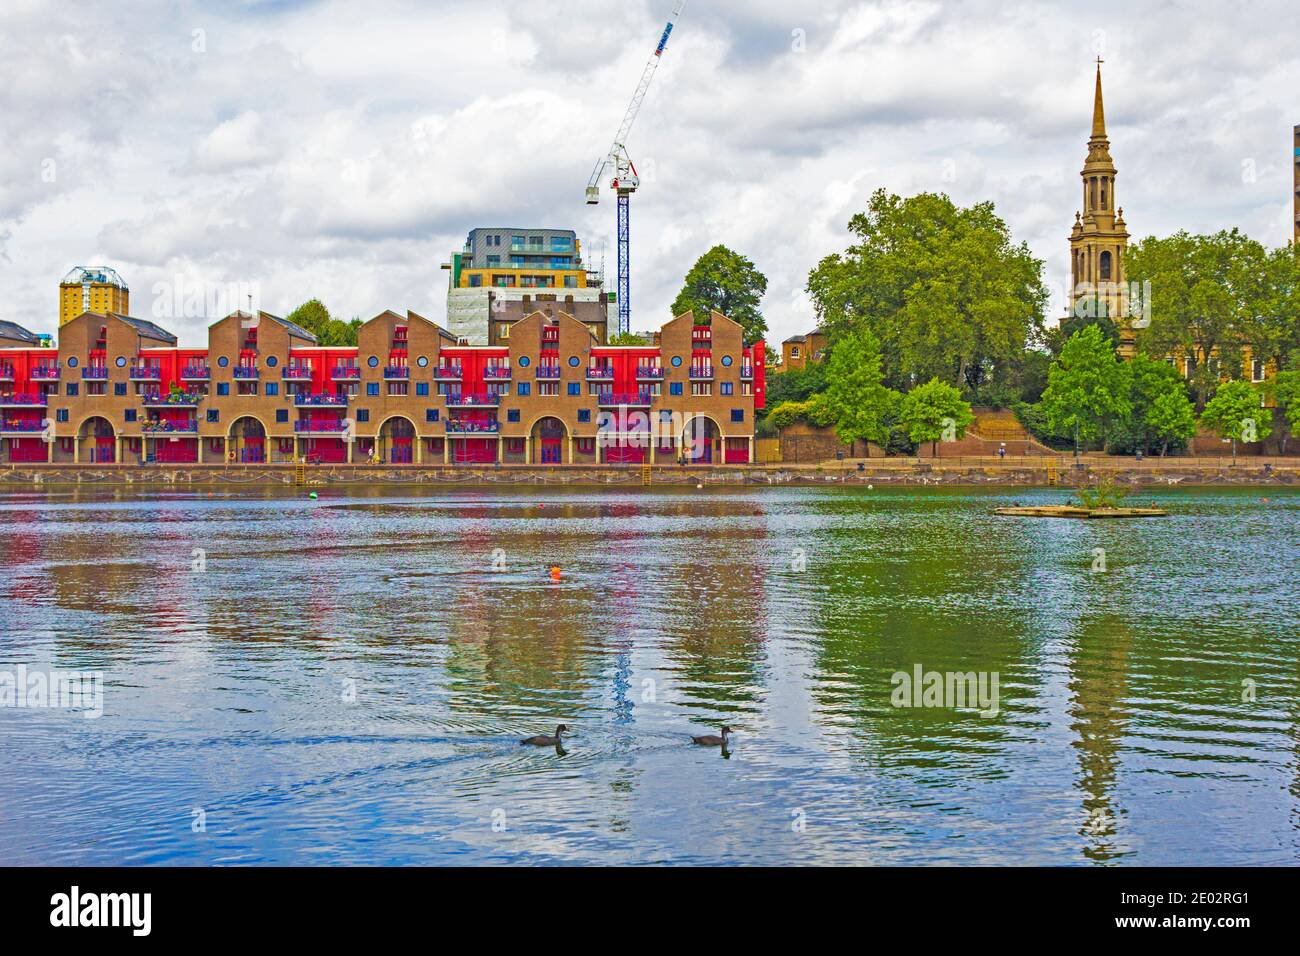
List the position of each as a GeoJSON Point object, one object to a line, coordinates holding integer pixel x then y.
{"type": "Point", "coordinates": [546, 441]}
{"type": "Point", "coordinates": [97, 440]}
{"type": "Point", "coordinates": [397, 441]}
{"type": "Point", "coordinates": [701, 442]}
{"type": "Point", "coordinates": [247, 442]}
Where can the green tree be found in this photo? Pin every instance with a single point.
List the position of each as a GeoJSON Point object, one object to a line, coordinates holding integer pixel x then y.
{"type": "Point", "coordinates": [1087, 388]}
{"type": "Point", "coordinates": [1160, 413]}
{"type": "Point", "coordinates": [855, 401]}
{"type": "Point", "coordinates": [944, 289]}
{"type": "Point", "coordinates": [316, 319]}
{"type": "Point", "coordinates": [1285, 390]}
{"type": "Point", "coordinates": [1207, 296]}
{"type": "Point", "coordinates": [934, 411]}
{"type": "Point", "coordinates": [727, 282]}
{"type": "Point", "coordinates": [1234, 413]}
{"type": "Point", "coordinates": [628, 338]}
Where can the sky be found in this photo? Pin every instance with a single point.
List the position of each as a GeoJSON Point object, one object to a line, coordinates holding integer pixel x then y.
{"type": "Point", "coordinates": [293, 149]}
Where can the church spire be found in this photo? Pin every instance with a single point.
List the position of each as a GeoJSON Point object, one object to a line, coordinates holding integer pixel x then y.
{"type": "Point", "coordinates": [1098, 110]}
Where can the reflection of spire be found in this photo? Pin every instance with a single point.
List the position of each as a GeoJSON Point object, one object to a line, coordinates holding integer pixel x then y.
{"type": "Point", "coordinates": [1098, 110]}
{"type": "Point", "coordinates": [1099, 683]}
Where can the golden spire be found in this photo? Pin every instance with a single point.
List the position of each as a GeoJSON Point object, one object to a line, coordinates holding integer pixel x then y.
{"type": "Point", "coordinates": [1098, 110]}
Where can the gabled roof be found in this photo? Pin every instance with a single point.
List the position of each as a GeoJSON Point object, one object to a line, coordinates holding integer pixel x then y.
{"type": "Point", "coordinates": [795, 339]}
{"type": "Point", "coordinates": [12, 330]}
{"type": "Point", "coordinates": [441, 331]}
{"type": "Point", "coordinates": [146, 329]}
{"type": "Point", "coordinates": [296, 330]}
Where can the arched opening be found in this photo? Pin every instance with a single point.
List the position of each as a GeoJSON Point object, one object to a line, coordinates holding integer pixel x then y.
{"type": "Point", "coordinates": [247, 442]}
{"type": "Point", "coordinates": [1105, 265]}
{"type": "Point", "coordinates": [396, 443]}
{"type": "Point", "coordinates": [546, 441]}
{"type": "Point", "coordinates": [701, 442]}
{"type": "Point", "coordinates": [97, 440]}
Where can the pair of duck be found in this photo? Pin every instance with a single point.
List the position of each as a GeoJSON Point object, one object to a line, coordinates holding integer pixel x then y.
{"type": "Point", "coordinates": [704, 740]}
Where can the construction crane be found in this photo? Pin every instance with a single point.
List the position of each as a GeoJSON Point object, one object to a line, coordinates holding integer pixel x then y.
{"type": "Point", "coordinates": [626, 181]}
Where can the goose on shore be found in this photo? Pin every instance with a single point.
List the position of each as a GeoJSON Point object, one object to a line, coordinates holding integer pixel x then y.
{"type": "Point", "coordinates": [542, 740]}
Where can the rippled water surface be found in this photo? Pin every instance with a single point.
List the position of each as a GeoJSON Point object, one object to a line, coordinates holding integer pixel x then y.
{"type": "Point", "coordinates": [347, 679]}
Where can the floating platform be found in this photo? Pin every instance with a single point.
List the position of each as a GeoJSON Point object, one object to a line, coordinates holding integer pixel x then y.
{"type": "Point", "coordinates": [1073, 511]}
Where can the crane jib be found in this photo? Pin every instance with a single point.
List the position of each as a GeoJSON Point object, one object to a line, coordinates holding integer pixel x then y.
{"type": "Point", "coordinates": [663, 40]}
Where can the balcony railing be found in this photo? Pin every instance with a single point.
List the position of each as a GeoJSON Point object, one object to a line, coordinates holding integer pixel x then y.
{"type": "Point", "coordinates": [95, 372]}
{"type": "Point", "coordinates": [497, 373]}
{"type": "Point", "coordinates": [6, 373]}
{"type": "Point", "coordinates": [245, 372]}
{"type": "Point", "coordinates": [152, 427]}
{"type": "Point", "coordinates": [196, 373]}
{"type": "Point", "coordinates": [701, 336]}
{"type": "Point", "coordinates": [347, 372]}
{"type": "Point", "coordinates": [447, 372]}
{"type": "Point", "coordinates": [172, 400]}
{"type": "Point", "coordinates": [147, 373]}
{"type": "Point", "coordinates": [472, 428]}
{"type": "Point", "coordinates": [307, 400]}
{"type": "Point", "coordinates": [550, 336]}
{"type": "Point", "coordinates": [25, 400]}
{"type": "Point", "coordinates": [296, 373]}
{"type": "Point", "coordinates": [652, 372]}
{"type": "Point", "coordinates": [45, 373]}
{"type": "Point", "coordinates": [397, 371]}
{"type": "Point", "coordinates": [600, 372]}
{"type": "Point", "coordinates": [548, 371]}
{"type": "Point", "coordinates": [624, 398]}
{"type": "Point", "coordinates": [26, 427]}
{"type": "Point", "coordinates": [747, 371]}
{"type": "Point", "coordinates": [326, 428]}
{"type": "Point", "coordinates": [474, 400]}
{"type": "Point", "coordinates": [701, 371]}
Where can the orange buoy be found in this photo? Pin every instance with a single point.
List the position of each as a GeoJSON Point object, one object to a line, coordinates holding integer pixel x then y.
{"type": "Point", "coordinates": [555, 572]}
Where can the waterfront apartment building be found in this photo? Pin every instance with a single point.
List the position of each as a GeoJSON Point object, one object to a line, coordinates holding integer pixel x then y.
{"type": "Point", "coordinates": [92, 289]}
{"type": "Point", "coordinates": [500, 266]}
{"type": "Point", "coordinates": [263, 391]}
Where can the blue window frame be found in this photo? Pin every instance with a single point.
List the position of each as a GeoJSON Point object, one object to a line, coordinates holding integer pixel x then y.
{"type": "Point", "coordinates": [674, 388]}
{"type": "Point", "coordinates": [372, 388]}
{"type": "Point", "coordinates": [282, 414]}
{"type": "Point", "coordinates": [214, 414]}
{"type": "Point", "coordinates": [72, 389]}
{"type": "Point", "coordinates": [430, 414]}
{"type": "Point", "coordinates": [524, 388]}
{"type": "Point", "coordinates": [737, 414]}
{"type": "Point", "coordinates": [726, 388]}
{"type": "Point", "coordinates": [512, 415]}
{"type": "Point", "coordinates": [129, 414]}
{"type": "Point", "coordinates": [584, 414]}
{"type": "Point", "coordinates": [223, 388]}
{"type": "Point", "coordinates": [272, 388]}
{"type": "Point", "coordinates": [61, 415]}
{"type": "Point", "coordinates": [575, 388]}
{"type": "Point", "coordinates": [363, 414]}
{"type": "Point", "coordinates": [421, 388]}
{"type": "Point", "coordinates": [119, 388]}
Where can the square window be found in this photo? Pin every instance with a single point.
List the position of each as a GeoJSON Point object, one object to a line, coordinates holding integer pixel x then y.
{"type": "Point", "coordinates": [129, 414]}
{"type": "Point", "coordinates": [282, 414]}
{"type": "Point", "coordinates": [72, 389]}
{"type": "Point", "coordinates": [119, 388]}
{"type": "Point", "coordinates": [372, 389]}
{"type": "Point", "coordinates": [674, 388]}
{"type": "Point", "coordinates": [422, 389]}
{"type": "Point", "coordinates": [737, 414]}
{"type": "Point", "coordinates": [574, 388]}
{"type": "Point", "coordinates": [512, 415]}
{"type": "Point", "coordinates": [272, 388]}
{"type": "Point", "coordinates": [726, 388]}
{"type": "Point", "coordinates": [363, 414]}
{"type": "Point", "coordinates": [430, 414]}
{"type": "Point", "coordinates": [214, 414]}
{"type": "Point", "coordinates": [61, 415]}
{"type": "Point", "coordinates": [525, 388]}
{"type": "Point", "coordinates": [223, 388]}
{"type": "Point", "coordinates": [584, 414]}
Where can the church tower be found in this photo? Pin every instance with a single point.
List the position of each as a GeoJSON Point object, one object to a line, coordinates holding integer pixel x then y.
{"type": "Point", "coordinates": [1099, 240]}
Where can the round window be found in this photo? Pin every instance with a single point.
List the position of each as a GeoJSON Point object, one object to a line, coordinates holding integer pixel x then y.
{"type": "Point", "coordinates": [677, 361]}
{"type": "Point", "coordinates": [72, 361]}
{"type": "Point", "coordinates": [223, 362]}
{"type": "Point", "coordinates": [523, 361]}
{"type": "Point", "coordinates": [270, 361]}
{"type": "Point", "coordinates": [573, 361]}
{"type": "Point", "coordinates": [726, 360]}
{"type": "Point", "coordinates": [373, 361]}
{"type": "Point", "coordinates": [422, 361]}
{"type": "Point", "coordinates": [121, 362]}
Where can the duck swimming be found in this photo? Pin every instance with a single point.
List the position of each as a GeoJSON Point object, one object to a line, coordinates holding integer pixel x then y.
{"type": "Point", "coordinates": [710, 740]}
{"type": "Point", "coordinates": [541, 740]}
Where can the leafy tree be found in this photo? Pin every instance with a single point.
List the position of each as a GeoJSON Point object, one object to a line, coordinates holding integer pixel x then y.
{"type": "Point", "coordinates": [316, 319]}
{"type": "Point", "coordinates": [796, 385]}
{"type": "Point", "coordinates": [1285, 389]}
{"type": "Point", "coordinates": [727, 282]}
{"type": "Point", "coordinates": [1087, 388]}
{"type": "Point", "coordinates": [931, 411]}
{"type": "Point", "coordinates": [628, 338]}
{"type": "Point", "coordinates": [1160, 413]}
{"type": "Point", "coordinates": [1207, 296]}
{"type": "Point", "coordinates": [943, 288]}
{"type": "Point", "coordinates": [856, 402]}
{"type": "Point", "coordinates": [1235, 413]}
{"type": "Point", "coordinates": [815, 410]}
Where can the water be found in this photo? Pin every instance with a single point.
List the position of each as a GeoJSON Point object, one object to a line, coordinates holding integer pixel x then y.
{"type": "Point", "coordinates": [1121, 737]}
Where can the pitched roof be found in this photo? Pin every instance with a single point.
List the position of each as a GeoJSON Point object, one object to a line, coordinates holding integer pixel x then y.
{"type": "Point", "coordinates": [794, 339]}
{"type": "Point", "coordinates": [296, 330]}
{"type": "Point", "coordinates": [12, 330]}
{"type": "Point", "coordinates": [146, 328]}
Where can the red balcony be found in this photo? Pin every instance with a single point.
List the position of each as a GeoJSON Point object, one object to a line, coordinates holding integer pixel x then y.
{"type": "Point", "coordinates": [296, 373]}
{"type": "Point", "coordinates": [171, 399]}
{"type": "Point", "coordinates": [349, 373]}
{"type": "Point", "coordinates": [474, 400]}
{"type": "Point", "coordinates": [548, 371]}
{"type": "Point", "coordinates": [245, 373]}
{"type": "Point", "coordinates": [46, 373]}
{"type": "Point", "coordinates": [701, 371]}
{"type": "Point", "coordinates": [447, 373]}
{"type": "Point", "coordinates": [26, 400]}
{"type": "Point", "coordinates": [496, 373]}
{"type": "Point", "coordinates": [95, 373]}
{"type": "Point", "coordinates": [6, 372]}
{"type": "Point", "coordinates": [323, 400]}
{"type": "Point", "coordinates": [196, 372]}
{"type": "Point", "coordinates": [455, 427]}
{"type": "Point", "coordinates": [141, 372]}
{"type": "Point", "coordinates": [600, 373]}
{"type": "Point", "coordinates": [641, 398]}
{"type": "Point", "coordinates": [401, 372]}
{"type": "Point", "coordinates": [306, 427]}
{"type": "Point", "coordinates": [154, 426]}
{"type": "Point", "coordinates": [649, 373]}
{"type": "Point", "coordinates": [702, 337]}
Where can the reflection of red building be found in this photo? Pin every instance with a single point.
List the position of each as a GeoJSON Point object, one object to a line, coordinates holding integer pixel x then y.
{"type": "Point", "coordinates": [119, 389]}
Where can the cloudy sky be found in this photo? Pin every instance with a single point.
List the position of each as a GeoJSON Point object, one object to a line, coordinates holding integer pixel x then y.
{"type": "Point", "coordinates": [344, 149]}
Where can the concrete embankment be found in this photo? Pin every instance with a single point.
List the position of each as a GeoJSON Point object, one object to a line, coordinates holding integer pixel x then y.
{"type": "Point", "coordinates": [1023, 472]}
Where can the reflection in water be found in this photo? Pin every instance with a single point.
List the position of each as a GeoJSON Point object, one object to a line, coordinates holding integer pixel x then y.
{"type": "Point", "coordinates": [347, 679]}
